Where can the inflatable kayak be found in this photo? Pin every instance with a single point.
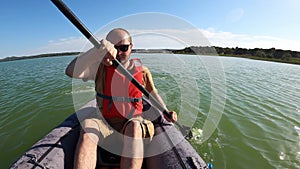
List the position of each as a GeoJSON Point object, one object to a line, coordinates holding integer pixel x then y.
{"type": "Point", "coordinates": [168, 149]}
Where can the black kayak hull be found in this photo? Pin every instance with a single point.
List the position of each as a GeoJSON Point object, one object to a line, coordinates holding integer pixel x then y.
{"type": "Point", "coordinates": [169, 149]}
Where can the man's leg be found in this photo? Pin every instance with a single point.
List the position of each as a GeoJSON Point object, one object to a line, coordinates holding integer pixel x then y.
{"type": "Point", "coordinates": [133, 148]}
{"type": "Point", "coordinates": [86, 152]}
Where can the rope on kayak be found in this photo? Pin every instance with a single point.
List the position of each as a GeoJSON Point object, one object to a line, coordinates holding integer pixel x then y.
{"type": "Point", "coordinates": [34, 161]}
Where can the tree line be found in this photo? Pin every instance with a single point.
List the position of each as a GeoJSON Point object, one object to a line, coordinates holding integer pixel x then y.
{"type": "Point", "coordinates": [272, 54]}
{"type": "Point", "coordinates": [12, 58]}
{"type": "Point", "coordinates": [256, 53]}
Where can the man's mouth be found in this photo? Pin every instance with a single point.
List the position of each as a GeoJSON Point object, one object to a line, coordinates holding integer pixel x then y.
{"type": "Point", "coordinates": [120, 57]}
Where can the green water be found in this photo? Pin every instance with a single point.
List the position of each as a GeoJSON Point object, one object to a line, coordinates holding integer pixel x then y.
{"type": "Point", "coordinates": [256, 128]}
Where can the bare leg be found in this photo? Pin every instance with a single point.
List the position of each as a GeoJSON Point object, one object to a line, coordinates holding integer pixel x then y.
{"type": "Point", "coordinates": [86, 152]}
{"type": "Point", "coordinates": [133, 149]}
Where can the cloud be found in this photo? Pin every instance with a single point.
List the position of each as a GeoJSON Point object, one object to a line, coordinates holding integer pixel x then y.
{"type": "Point", "coordinates": [228, 39]}
{"type": "Point", "coordinates": [235, 15]}
{"type": "Point", "coordinates": [169, 38]}
{"type": "Point", "coordinates": [69, 44]}
{"type": "Point", "coordinates": [176, 39]}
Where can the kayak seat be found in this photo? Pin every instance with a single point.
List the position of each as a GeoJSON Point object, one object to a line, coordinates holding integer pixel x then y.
{"type": "Point", "coordinates": [107, 159]}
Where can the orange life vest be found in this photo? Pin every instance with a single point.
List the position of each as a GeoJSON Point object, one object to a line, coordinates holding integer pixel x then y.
{"type": "Point", "coordinates": [121, 98]}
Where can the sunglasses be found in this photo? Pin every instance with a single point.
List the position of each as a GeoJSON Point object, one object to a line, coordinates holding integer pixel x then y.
{"type": "Point", "coordinates": [122, 48]}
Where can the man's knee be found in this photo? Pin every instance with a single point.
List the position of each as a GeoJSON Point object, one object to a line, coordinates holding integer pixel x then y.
{"type": "Point", "coordinates": [133, 129]}
{"type": "Point", "coordinates": [89, 138]}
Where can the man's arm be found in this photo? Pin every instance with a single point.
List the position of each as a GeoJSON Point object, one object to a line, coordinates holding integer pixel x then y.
{"type": "Point", "coordinates": [150, 87]}
{"type": "Point", "coordinates": [85, 66]}
{"type": "Point", "coordinates": [82, 66]}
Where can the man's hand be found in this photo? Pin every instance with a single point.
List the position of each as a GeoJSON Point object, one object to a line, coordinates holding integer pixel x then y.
{"type": "Point", "coordinates": [173, 117]}
{"type": "Point", "coordinates": [107, 52]}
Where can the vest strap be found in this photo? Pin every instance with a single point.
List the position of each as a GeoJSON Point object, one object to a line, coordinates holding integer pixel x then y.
{"type": "Point", "coordinates": [119, 99]}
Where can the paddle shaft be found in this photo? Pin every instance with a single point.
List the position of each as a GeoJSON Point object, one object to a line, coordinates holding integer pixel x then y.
{"type": "Point", "coordinates": [84, 30]}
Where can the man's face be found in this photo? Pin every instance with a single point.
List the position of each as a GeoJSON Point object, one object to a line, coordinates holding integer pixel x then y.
{"type": "Point", "coordinates": [121, 41]}
{"type": "Point", "coordinates": [124, 50]}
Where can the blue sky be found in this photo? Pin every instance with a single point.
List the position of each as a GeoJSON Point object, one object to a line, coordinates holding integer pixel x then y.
{"type": "Point", "coordinates": [36, 26]}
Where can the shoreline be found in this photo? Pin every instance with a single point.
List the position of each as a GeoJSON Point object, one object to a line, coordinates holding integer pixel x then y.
{"type": "Point", "coordinates": [13, 58]}
{"type": "Point", "coordinates": [294, 61]}
{"type": "Point", "coordinates": [284, 56]}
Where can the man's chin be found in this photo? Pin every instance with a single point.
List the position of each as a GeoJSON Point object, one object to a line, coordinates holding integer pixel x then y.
{"type": "Point", "coordinates": [122, 61]}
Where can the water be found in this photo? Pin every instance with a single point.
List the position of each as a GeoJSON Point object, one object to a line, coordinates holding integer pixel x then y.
{"type": "Point", "coordinates": [35, 97]}
{"type": "Point", "coordinates": [258, 128]}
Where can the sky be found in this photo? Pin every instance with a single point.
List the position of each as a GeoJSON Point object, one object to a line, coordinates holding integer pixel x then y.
{"type": "Point", "coordinates": [36, 26]}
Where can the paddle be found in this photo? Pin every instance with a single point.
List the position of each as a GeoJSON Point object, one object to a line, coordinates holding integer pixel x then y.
{"type": "Point", "coordinates": [76, 22]}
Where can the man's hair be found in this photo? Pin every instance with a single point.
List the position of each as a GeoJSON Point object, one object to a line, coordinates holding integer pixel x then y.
{"type": "Point", "coordinates": [121, 29]}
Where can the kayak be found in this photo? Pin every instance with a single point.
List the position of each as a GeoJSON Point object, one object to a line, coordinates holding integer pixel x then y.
{"type": "Point", "coordinates": [168, 149]}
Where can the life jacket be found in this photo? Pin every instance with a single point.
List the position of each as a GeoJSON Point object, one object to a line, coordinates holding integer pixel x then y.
{"type": "Point", "coordinates": [121, 98]}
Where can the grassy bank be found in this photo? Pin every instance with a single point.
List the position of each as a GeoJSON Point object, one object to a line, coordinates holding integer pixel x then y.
{"type": "Point", "coordinates": [12, 58]}
{"type": "Point", "coordinates": [290, 60]}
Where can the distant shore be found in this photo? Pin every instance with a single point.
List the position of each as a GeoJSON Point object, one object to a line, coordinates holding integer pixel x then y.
{"type": "Point", "coordinates": [13, 58]}
{"type": "Point", "coordinates": [272, 54]}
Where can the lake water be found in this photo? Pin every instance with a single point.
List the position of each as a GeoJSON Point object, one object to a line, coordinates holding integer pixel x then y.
{"type": "Point", "coordinates": [244, 113]}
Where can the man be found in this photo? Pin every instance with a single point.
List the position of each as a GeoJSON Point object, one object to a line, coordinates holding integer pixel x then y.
{"type": "Point", "coordinates": [118, 100]}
